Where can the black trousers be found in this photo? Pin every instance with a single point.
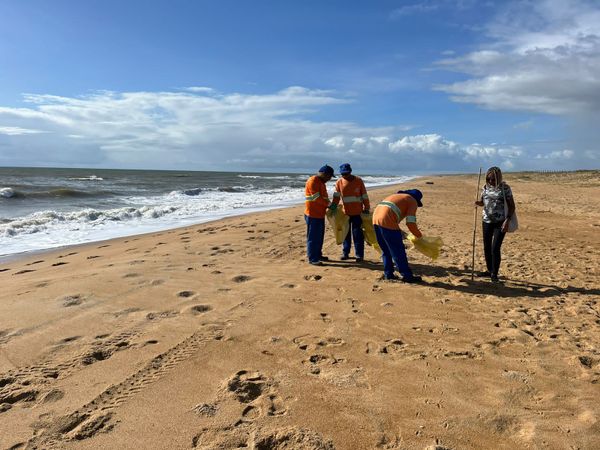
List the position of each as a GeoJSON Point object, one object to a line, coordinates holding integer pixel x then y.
{"type": "Point", "coordinates": [492, 242]}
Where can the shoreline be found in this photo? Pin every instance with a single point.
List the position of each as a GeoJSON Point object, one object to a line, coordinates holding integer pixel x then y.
{"type": "Point", "coordinates": [5, 259]}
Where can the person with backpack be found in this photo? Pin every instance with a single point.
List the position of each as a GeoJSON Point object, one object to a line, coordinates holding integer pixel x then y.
{"type": "Point", "coordinates": [498, 209]}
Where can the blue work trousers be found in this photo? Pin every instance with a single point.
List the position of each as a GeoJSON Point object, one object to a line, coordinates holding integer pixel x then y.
{"type": "Point", "coordinates": [355, 232]}
{"type": "Point", "coordinates": [393, 252]}
{"type": "Point", "coordinates": [315, 233]}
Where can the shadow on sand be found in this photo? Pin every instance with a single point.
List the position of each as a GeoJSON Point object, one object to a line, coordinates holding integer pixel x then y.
{"type": "Point", "coordinates": [480, 285]}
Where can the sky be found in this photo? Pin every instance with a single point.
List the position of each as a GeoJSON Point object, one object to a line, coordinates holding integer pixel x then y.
{"type": "Point", "coordinates": [388, 86]}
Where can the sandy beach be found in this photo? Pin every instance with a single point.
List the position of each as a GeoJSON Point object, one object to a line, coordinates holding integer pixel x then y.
{"type": "Point", "coordinates": [221, 336]}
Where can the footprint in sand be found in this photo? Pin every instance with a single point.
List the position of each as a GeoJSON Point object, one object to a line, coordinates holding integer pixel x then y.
{"type": "Point", "coordinates": [136, 262]}
{"type": "Point", "coordinates": [206, 409]}
{"type": "Point", "coordinates": [20, 272]}
{"type": "Point", "coordinates": [586, 361]}
{"type": "Point", "coordinates": [241, 278]}
{"type": "Point", "coordinates": [247, 386]}
{"type": "Point", "coordinates": [69, 339]}
{"type": "Point", "coordinates": [317, 361]}
{"type": "Point", "coordinates": [308, 342]}
{"type": "Point", "coordinates": [199, 309]}
{"type": "Point", "coordinates": [4, 270]}
{"type": "Point", "coordinates": [72, 300]}
{"type": "Point", "coordinates": [35, 262]}
{"type": "Point", "coordinates": [289, 438]}
{"type": "Point", "coordinates": [312, 277]}
{"type": "Point", "coordinates": [186, 294]}
{"type": "Point", "coordinates": [325, 317]}
{"type": "Point", "coordinates": [161, 315]}
{"type": "Point", "coordinates": [68, 254]}
{"type": "Point", "coordinates": [132, 275]}
{"type": "Point", "coordinates": [59, 264]}
{"type": "Point", "coordinates": [53, 395]}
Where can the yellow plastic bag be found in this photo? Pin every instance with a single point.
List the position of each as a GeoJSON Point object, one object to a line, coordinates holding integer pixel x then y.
{"type": "Point", "coordinates": [429, 246]}
{"type": "Point", "coordinates": [339, 224]}
{"type": "Point", "coordinates": [369, 231]}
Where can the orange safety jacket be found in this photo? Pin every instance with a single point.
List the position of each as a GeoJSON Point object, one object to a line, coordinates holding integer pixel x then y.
{"type": "Point", "coordinates": [390, 212]}
{"type": "Point", "coordinates": [316, 198]}
{"type": "Point", "coordinates": [353, 195]}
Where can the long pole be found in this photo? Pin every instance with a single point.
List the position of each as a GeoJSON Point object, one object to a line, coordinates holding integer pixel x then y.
{"type": "Point", "coordinates": [475, 227]}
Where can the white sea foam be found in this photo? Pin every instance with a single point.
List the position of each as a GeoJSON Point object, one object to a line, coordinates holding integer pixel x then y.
{"type": "Point", "coordinates": [141, 214]}
{"type": "Point", "coordinates": [6, 192]}
{"type": "Point", "coordinates": [90, 178]}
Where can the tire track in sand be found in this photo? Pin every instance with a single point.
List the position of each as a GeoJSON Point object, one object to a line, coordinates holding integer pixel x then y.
{"type": "Point", "coordinates": [99, 415]}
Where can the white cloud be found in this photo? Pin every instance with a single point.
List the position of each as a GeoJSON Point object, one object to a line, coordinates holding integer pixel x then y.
{"type": "Point", "coordinates": [204, 131]}
{"type": "Point", "coordinates": [426, 143]}
{"type": "Point", "coordinates": [544, 56]}
{"type": "Point", "coordinates": [16, 131]}
{"type": "Point", "coordinates": [199, 89]}
{"type": "Point", "coordinates": [336, 142]}
{"type": "Point", "coordinates": [415, 8]}
{"type": "Point", "coordinates": [557, 155]}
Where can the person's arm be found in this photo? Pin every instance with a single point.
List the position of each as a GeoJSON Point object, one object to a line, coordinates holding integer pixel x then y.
{"type": "Point", "coordinates": [316, 192]}
{"type": "Point", "coordinates": [364, 197]}
{"type": "Point", "coordinates": [411, 220]}
{"type": "Point", "coordinates": [480, 201]}
{"type": "Point", "coordinates": [324, 196]}
{"type": "Point", "coordinates": [510, 202]}
{"type": "Point", "coordinates": [337, 195]}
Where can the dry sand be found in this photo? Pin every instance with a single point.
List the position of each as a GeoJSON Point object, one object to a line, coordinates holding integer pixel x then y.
{"type": "Point", "coordinates": [221, 336]}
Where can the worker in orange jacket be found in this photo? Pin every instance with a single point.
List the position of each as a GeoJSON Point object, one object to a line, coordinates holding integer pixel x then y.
{"type": "Point", "coordinates": [386, 221]}
{"type": "Point", "coordinates": [317, 202]}
{"type": "Point", "coordinates": [351, 190]}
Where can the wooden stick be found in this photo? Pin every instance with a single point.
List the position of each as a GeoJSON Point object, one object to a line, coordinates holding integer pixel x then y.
{"type": "Point", "coordinates": [475, 227]}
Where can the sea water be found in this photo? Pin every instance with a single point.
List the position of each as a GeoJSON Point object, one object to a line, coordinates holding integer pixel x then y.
{"type": "Point", "coordinates": [47, 208]}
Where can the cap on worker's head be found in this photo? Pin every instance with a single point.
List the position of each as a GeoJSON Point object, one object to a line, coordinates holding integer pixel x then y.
{"type": "Point", "coordinates": [345, 169]}
{"type": "Point", "coordinates": [414, 193]}
{"type": "Point", "coordinates": [327, 170]}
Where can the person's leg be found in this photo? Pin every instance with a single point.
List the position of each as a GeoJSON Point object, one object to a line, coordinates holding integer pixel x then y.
{"type": "Point", "coordinates": [357, 235]}
{"type": "Point", "coordinates": [498, 238]}
{"type": "Point", "coordinates": [320, 237]}
{"type": "Point", "coordinates": [386, 256]}
{"type": "Point", "coordinates": [393, 239]}
{"type": "Point", "coordinates": [488, 234]}
{"type": "Point", "coordinates": [347, 244]}
{"type": "Point", "coordinates": [315, 229]}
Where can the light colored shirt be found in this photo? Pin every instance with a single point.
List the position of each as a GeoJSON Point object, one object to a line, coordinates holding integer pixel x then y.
{"type": "Point", "coordinates": [493, 202]}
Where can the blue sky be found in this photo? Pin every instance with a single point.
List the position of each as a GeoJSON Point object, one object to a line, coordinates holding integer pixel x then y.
{"type": "Point", "coordinates": [390, 86]}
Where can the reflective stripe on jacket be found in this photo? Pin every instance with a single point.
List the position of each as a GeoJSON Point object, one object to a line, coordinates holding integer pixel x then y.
{"type": "Point", "coordinates": [353, 195]}
{"type": "Point", "coordinates": [393, 209]}
{"type": "Point", "coordinates": [316, 198]}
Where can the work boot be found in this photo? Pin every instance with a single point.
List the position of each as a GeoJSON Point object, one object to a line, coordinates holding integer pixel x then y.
{"type": "Point", "coordinates": [413, 279]}
{"type": "Point", "coordinates": [345, 257]}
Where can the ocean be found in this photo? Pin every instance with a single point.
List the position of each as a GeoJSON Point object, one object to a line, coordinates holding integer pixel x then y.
{"type": "Point", "coordinates": [47, 208]}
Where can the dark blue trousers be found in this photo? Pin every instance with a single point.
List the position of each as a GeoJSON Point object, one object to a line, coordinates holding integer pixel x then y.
{"type": "Point", "coordinates": [315, 233]}
{"type": "Point", "coordinates": [393, 252]}
{"type": "Point", "coordinates": [355, 232]}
